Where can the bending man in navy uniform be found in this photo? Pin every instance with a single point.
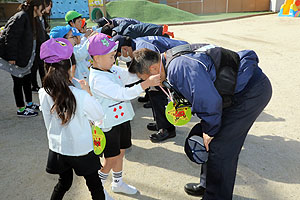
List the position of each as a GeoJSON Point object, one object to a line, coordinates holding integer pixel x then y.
{"type": "Point", "coordinates": [157, 98]}
{"type": "Point", "coordinates": [224, 130]}
{"type": "Point", "coordinates": [137, 30]}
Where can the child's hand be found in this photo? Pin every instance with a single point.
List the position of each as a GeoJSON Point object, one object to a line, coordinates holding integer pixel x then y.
{"type": "Point", "coordinates": [88, 33]}
{"type": "Point", "coordinates": [93, 33]}
{"type": "Point", "coordinates": [85, 86]}
{"type": "Point", "coordinates": [153, 80]}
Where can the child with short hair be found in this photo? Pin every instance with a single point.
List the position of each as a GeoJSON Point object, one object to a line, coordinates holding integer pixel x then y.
{"type": "Point", "coordinates": [67, 111]}
{"type": "Point", "coordinates": [74, 19]}
{"type": "Point", "coordinates": [80, 53]}
{"type": "Point", "coordinates": [107, 83]}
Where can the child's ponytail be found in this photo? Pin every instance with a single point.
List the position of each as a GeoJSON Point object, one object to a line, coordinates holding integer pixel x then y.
{"type": "Point", "coordinates": [56, 83]}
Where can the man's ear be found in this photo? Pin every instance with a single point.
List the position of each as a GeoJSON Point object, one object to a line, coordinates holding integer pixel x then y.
{"type": "Point", "coordinates": [154, 69]}
{"type": "Point", "coordinates": [123, 48]}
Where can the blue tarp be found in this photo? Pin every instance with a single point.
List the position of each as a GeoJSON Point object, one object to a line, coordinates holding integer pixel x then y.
{"type": "Point", "coordinates": [60, 8]}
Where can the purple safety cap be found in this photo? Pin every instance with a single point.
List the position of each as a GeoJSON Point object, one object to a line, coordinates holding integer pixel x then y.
{"type": "Point", "coordinates": [55, 50]}
{"type": "Point", "coordinates": [101, 44]}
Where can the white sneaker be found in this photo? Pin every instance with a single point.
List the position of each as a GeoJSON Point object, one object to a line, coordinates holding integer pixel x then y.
{"type": "Point", "coordinates": [124, 188]}
{"type": "Point", "coordinates": [107, 196]}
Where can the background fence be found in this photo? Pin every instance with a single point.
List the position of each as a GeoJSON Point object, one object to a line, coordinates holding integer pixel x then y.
{"type": "Point", "coordinates": [218, 6]}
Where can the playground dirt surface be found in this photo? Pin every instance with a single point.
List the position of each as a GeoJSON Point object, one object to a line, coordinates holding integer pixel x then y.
{"type": "Point", "coordinates": [269, 164]}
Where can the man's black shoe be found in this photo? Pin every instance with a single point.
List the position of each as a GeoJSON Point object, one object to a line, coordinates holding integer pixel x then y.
{"type": "Point", "coordinates": [162, 135]}
{"type": "Point", "coordinates": [143, 99]}
{"type": "Point", "coordinates": [147, 105]}
{"type": "Point", "coordinates": [194, 189]}
{"type": "Point", "coordinates": [152, 127]}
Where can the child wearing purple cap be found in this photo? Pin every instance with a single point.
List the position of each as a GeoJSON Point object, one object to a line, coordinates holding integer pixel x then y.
{"type": "Point", "coordinates": [107, 83]}
{"type": "Point", "coordinates": [67, 111]}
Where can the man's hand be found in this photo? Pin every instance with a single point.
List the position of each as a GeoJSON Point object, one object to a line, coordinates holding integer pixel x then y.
{"type": "Point", "coordinates": [207, 139]}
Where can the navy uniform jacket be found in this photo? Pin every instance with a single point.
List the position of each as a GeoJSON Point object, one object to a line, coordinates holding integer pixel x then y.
{"type": "Point", "coordinates": [121, 24]}
{"type": "Point", "coordinates": [118, 20]}
{"type": "Point", "coordinates": [155, 43]}
{"type": "Point", "coordinates": [194, 75]}
{"type": "Point", "coordinates": [138, 30]}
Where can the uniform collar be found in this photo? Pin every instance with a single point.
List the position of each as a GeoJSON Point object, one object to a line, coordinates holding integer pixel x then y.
{"type": "Point", "coordinates": [101, 70]}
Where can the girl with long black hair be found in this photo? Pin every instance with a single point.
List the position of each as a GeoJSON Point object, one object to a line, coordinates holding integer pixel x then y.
{"type": "Point", "coordinates": [67, 111]}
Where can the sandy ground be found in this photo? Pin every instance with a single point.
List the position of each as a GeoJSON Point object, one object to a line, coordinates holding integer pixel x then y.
{"type": "Point", "coordinates": [269, 165]}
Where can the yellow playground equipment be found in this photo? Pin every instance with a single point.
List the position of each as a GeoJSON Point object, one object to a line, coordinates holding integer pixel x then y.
{"type": "Point", "coordinates": [97, 9]}
{"type": "Point", "coordinates": [290, 8]}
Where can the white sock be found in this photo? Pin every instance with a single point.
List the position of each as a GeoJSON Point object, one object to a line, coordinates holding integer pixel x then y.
{"type": "Point", "coordinates": [103, 177]}
{"type": "Point", "coordinates": [117, 178]}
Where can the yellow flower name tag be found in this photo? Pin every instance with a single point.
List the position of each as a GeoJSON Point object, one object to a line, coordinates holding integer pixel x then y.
{"type": "Point", "coordinates": [178, 116]}
{"type": "Point", "coordinates": [99, 140]}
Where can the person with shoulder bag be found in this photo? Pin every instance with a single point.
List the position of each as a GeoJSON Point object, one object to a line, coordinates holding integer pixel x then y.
{"type": "Point", "coordinates": [18, 51]}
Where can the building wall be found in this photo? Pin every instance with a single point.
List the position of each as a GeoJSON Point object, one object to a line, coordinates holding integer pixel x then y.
{"type": "Point", "coordinates": [275, 5]}
{"type": "Point", "coordinates": [218, 6]}
{"type": "Point", "coordinates": [7, 10]}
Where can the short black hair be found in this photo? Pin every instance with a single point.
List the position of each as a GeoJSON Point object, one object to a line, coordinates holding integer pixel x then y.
{"type": "Point", "coordinates": [102, 21]}
{"type": "Point", "coordinates": [74, 20]}
{"type": "Point", "coordinates": [123, 41]}
{"type": "Point", "coordinates": [142, 60]}
{"type": "Point", "coordinates": [127, 41]}
{"type": "Point", "coordinates": [106, 30]}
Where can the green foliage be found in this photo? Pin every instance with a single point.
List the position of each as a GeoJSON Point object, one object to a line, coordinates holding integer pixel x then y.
{"type": "Point", "coordinates": [147, 11]}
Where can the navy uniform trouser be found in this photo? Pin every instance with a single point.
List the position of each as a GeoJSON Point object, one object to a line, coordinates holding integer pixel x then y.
{"type": "Point", "coordinates": [225, 148]}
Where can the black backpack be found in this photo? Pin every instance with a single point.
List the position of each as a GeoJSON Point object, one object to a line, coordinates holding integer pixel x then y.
{"type": "Point", "coordinates": [226, 63]}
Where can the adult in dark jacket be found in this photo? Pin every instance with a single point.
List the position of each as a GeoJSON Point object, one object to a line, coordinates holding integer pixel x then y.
{"type": "Point", "coordinates": [114, 22]}
{"type": "Point", "coordinates": [42, 35]}
{"type": "Point", "coordinates": [137, 30]}
{"type": "Point", "coordinates": [157, 98]}
{"type": "Point", "coordinates": [17, 44]}
{"type": "Point", "coordinates": [223, 130]}
{"type": "Point", "coordinates": [38, 64]}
